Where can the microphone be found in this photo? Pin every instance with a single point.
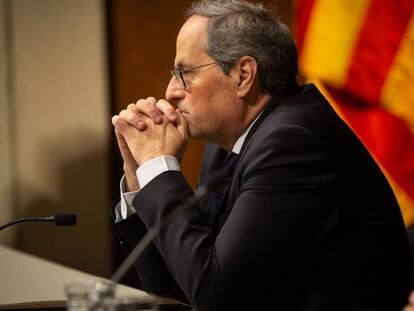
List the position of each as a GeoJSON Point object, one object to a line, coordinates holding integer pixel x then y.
{"type": "Point", "coordinates": [64, 219]}
{"type": "Point", "coordinates": [60, 219]}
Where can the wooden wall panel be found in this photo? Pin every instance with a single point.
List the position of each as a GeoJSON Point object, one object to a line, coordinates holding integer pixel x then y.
{"type": "Point", "coordinates": [143, 49]}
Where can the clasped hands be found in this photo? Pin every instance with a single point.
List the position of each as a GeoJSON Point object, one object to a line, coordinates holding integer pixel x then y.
{"type": "Point", "coordinates": [146, 130]}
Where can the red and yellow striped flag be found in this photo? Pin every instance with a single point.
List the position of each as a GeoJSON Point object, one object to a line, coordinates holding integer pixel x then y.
{"type": "Point", "coordinates": [361, 54]}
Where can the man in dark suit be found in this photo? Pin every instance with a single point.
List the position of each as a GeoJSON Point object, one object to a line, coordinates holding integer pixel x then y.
{"type": "Point", "coordinates": [306, 220]}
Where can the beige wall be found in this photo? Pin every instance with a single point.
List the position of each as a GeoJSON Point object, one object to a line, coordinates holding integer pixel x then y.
{"type": "Point", "coordinates": [6, 164]}
{"type": "Point", "coordinates": [55, 126]}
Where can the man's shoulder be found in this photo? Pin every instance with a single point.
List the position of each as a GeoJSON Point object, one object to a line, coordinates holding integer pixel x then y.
{"type": "Point", "coordinates": [306, 108]}
{"type": "Point", "coordinates": [304, 100]}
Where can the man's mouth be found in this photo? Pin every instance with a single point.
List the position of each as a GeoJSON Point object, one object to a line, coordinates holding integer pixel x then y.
{"type": "Point", "coordinates": [183, 111]}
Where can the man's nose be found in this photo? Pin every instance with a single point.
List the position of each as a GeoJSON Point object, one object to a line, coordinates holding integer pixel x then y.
{"type": "Point", "coordinates": [174, 91]}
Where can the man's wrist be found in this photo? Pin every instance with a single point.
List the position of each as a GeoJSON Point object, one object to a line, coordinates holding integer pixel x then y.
{"type": "Point", "coordinates": [131, 181]}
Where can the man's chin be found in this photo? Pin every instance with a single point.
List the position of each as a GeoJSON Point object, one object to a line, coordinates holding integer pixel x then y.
{"type": "Point", "coordinates": [194, 133]}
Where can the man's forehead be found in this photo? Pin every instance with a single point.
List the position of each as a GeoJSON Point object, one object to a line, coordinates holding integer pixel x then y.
{"type": "Point", "coordinates": [194, 24]}
{"type": "Point", "coordinates": [190, 40]}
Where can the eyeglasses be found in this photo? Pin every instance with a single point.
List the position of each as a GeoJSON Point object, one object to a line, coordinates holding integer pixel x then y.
{"type": "Point", "coordinates": [178, 73]}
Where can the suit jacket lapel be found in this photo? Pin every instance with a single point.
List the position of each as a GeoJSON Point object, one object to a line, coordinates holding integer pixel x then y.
{"type": "Point", "coordinates": [275, 102]}
{"type": "Point", "coordinates": [215, 205]}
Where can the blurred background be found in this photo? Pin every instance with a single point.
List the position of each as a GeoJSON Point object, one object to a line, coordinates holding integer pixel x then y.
{"type": "Point", "coordinates": [67, 66]}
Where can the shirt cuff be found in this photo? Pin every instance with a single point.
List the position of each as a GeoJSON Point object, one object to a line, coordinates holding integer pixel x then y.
{"type": "Point", "coordinates": [154, 167]}
{"type": "Point", "coordinates": [125, 208]}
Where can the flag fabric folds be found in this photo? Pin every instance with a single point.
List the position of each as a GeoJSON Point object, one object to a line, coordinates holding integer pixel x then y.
{"type": "Point", "coordinates": [361, 54]}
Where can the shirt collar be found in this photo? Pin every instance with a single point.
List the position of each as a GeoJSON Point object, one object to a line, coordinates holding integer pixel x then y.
{"type": "Point", "coordinates": [240, 141]}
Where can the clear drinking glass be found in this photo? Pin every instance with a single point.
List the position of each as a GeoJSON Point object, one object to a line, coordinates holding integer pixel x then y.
{"type": "Point", "coordinates": [78, 297]}
{"type": "Point", "coordinates": [99, 296]}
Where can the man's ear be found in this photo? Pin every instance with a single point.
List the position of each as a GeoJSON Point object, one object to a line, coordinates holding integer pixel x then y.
{"type": "Point", "coordinates": [245, 74]}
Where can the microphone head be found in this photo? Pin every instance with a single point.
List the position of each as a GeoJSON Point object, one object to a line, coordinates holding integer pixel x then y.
{"type": "Point", "coordinates": [64, 219]}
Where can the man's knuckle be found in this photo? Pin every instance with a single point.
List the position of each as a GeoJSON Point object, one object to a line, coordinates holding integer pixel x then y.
{"type": "Point", "coordinates": [117, 122]}
{"type": "Point", "coordinates": [160, 104]}
{"type": "Point", "coordinates": [140, 103]}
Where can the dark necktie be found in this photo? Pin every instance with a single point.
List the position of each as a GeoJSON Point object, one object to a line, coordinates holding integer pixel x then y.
{"type": "Point", "coordinates": [218, 199]}
{"type": "Point", "coordinates": [230, 163]}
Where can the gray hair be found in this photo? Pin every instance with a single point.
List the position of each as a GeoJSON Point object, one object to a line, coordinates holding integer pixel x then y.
{"type": "Point", "coordinates": [238, 28]}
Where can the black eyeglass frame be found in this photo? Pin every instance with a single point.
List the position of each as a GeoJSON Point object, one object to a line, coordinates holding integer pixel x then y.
{"type": "Point", "coordinates": [178, 73]}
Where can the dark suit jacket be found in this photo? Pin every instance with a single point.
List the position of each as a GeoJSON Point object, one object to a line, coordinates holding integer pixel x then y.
{"type": "Point", "coordinates": [309, 222]}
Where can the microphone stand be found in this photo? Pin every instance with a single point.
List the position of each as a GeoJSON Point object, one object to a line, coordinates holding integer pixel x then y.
{"type": "Point", "coordinates": [27, 219]}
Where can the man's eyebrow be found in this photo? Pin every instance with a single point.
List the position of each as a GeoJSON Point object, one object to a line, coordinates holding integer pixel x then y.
{"type": "Point", "coordinates": [182, 64]}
